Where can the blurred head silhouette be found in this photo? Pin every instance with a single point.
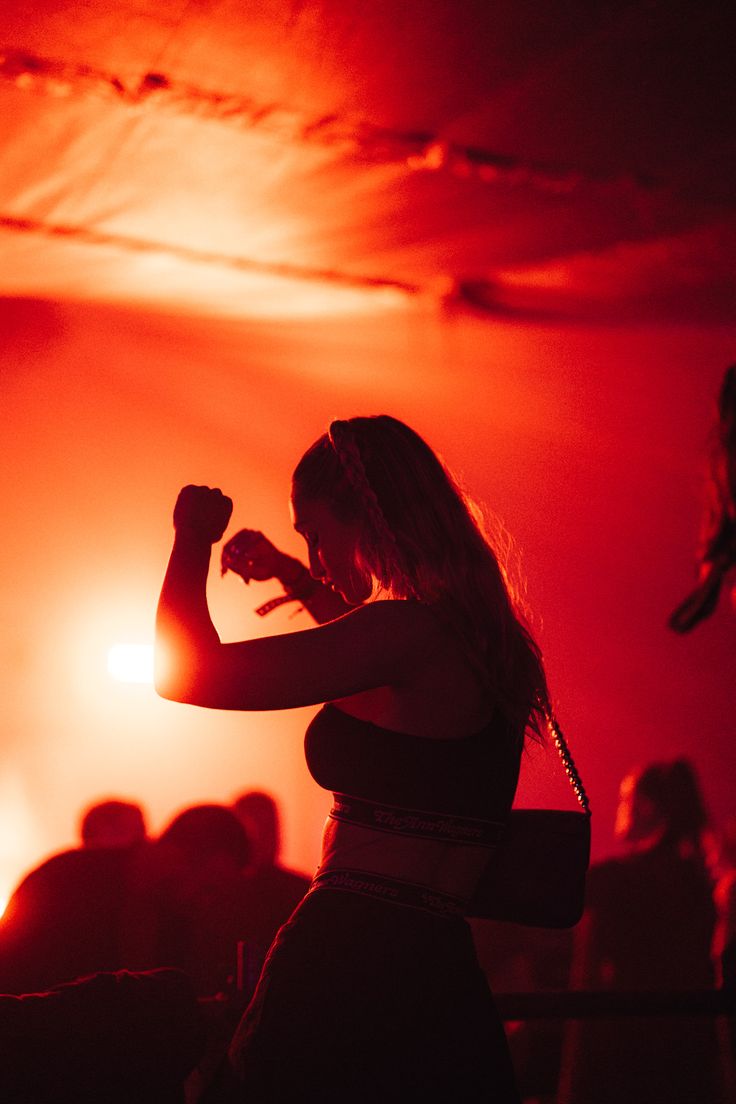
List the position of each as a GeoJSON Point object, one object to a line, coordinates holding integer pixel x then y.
{"type": "Point", "coordinates": [112, 823]}
{"type": "Point", "coordinates": [661, 803]}
{"type": "Point", "coordinates": [259, 815]}
{"type": "Point", "coordinates": [207, 835]}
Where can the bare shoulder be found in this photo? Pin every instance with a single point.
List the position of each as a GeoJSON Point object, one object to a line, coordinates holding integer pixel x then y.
{"type": "Point", "coordinates": [431, 689]}
{"type": "Point", "coordinates": [408, 636]}
{"type": "Point", "coordinates": [403, 622]}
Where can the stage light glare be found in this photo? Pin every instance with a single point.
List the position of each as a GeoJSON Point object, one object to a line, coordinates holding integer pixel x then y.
{"type": "Point", "coordinates": [131, 662]}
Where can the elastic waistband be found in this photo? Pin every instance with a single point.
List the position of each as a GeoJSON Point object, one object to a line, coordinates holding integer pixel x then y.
{"type": "Point", "coordinates": [417, 822]}
{"type": "Point", "coordinates": [393, 890]}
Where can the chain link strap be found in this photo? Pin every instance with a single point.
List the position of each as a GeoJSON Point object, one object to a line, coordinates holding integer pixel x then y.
{"type": "Point", "coordinates": [568, 763]}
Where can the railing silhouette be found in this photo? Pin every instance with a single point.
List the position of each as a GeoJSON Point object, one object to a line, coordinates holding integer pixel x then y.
{"type": "Point", "coordinates": [586, 1004]}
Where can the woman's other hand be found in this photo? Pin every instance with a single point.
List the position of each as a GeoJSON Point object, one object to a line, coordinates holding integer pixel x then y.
{"type": "Point", "coordinates": [202, 510]}
{"type": "Point", "coordinates": [252, 556]}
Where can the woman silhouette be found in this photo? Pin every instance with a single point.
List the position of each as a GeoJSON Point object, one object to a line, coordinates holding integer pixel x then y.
{"type": "Point", "coordinates": [371, 989]}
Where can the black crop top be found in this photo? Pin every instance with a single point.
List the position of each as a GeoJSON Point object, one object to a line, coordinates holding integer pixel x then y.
{"type": "Point", "coordinates": [473, 776]}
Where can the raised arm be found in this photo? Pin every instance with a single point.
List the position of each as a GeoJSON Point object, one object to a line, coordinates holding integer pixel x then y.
{"type": "Point", "coordinates": [379, 644]}
{"type": "Point", "coordinates": [185, 632]}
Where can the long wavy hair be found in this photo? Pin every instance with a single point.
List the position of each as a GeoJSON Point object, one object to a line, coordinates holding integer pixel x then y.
{"type": "Point", "coordinates": [720, 516]}
{"type": "Point", "coordinates": [421, 537]}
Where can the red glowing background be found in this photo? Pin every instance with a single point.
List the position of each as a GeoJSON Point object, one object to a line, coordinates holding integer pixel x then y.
{"type": "Point", "coordinates": [513, 229]}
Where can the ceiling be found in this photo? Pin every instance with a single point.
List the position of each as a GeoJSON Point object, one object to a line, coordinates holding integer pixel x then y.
{"type": "Point", "coordinates": [517, 159]}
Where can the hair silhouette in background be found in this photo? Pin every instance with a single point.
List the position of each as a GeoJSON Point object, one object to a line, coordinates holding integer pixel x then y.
{"type": "Point", "coordinates": [717, 551]}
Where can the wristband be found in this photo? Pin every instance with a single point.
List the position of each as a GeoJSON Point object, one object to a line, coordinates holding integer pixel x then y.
{"type": "Point", "coordinates": [301, 587]}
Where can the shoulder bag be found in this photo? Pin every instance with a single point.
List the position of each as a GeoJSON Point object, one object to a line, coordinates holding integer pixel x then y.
{"type": "Point", "coordinates": [536, 875]}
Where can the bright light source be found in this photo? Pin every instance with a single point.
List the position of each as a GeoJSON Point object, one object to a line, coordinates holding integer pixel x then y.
{"type": "Point", "coordinates": [131, 662]}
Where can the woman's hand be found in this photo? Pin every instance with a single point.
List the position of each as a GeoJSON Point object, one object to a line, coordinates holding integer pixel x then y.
{"type": "Point", "coordinates": [252, 556]}
{"type": "Point", "coordinates": [204, 511]}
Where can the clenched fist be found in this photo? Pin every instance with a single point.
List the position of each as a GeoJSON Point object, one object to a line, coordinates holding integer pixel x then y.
{"type": "Point", "coordinates": [202, 510]}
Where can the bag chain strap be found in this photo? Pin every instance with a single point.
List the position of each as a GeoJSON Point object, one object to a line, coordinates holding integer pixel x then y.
{"type": "Point", "coordinates": [568, 763]}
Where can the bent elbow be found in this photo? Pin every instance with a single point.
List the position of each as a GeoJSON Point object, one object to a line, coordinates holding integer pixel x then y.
{"type": "Point", "coordinates": [165, 688]}
{"type": "Point", "coordinates": [184, 679]}
{"type": "Point", "coordinates": [177, 689]}
{"type": "Point", "coordinates": [168, 688]}
{"type": "Point", "coordinates": [168, 680]}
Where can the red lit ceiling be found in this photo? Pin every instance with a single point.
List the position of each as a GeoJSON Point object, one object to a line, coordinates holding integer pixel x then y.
{"type": "Point", "coordinates": [516, 159]}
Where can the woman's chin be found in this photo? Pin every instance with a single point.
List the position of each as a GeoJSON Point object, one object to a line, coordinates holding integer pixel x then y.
{"type": "Point", "coordinates": [356, 595]}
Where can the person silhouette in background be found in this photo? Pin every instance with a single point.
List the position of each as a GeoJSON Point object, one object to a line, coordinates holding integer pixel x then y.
{"type": "Point", "coordinates": [723, 866]}
{"type": "Point", "coordinates": [274, 891]}
{"type": "Point", "coordinates": [717, 551]}
{"type": "Point", "coordinates": [199, 896]}
{"type": "Point", "coordinates": [77, 912]}
{"type": "Point", "coordinates": [648, 926]}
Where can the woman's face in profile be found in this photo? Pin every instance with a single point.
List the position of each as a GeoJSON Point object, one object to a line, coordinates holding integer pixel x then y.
{"type": "Point", "coordinates": [332, 545]}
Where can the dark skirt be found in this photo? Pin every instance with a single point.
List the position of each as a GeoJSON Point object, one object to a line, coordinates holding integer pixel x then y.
{"type": "Point", "coordinates": [366, 1000]}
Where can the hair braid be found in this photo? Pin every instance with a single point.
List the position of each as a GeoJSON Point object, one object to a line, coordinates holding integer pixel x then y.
{"type": "Point", "coordinates": [347, 451]}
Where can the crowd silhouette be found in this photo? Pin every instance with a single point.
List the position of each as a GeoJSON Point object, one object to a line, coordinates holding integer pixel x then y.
{"type": "Point", "coordinates": [125, 900]}
{"type": "Point", "coordinates": [168, 933]}
{"type": "Point", "coordinates": [176, 924]}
